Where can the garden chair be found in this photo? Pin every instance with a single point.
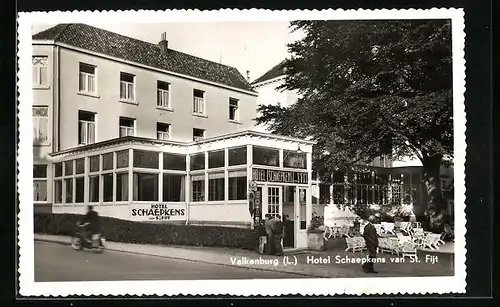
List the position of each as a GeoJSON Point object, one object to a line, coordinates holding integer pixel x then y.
{"type": "Point", "coordinates": [402, 238]}
{"type": "Point", "coordinates": [388, 228]}
{"type": "Point", "coordinates": [430, 242]}
{"type": "Point", "coordinates": [360, 244]}
{"type": "Point", "coordinates": [408, 249]}
{"type": "Point", "coordinates": [394, 246]}
{"type": "Point", "coordinates": [351, 244]}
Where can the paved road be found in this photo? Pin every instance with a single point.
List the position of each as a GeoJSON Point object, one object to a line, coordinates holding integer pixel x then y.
{"type": "Point", "coordinates": [56, 262]}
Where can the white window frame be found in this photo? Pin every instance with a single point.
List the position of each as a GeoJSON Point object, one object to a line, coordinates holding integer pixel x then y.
{"type": "Point", "coordinates": [127, 128]}
{"type": "Point", "coordinates": [128, 96]}
{"type": "Point", "coordinates": [163, 96]}
{"type": "Point", "coordinates": [199, 104]}
{"type": "Point", "coordinates": [197, 138]}
{"type": "Point", "coordinates": [163, 135]}
{"type": "Point", "coordinates": [36, 126]}
{"type": "Point", "coordinates": [87, 77]}
{"type": "Point", "coordinates": [39, 62]}
{"type": "Point", "coordinates": [237, 109]}
{"type": "Point", "coordinates": [42, 179]}
{"type": "Point", "coordinates": [87, 139]}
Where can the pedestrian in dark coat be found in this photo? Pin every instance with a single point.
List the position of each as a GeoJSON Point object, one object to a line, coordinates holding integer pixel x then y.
{"type": "Point", "coordinates": [269, 225]}
{"type": "Point", "coordinates": [371, 240]}
{"type": "Point", "coordinates": [278, 232]}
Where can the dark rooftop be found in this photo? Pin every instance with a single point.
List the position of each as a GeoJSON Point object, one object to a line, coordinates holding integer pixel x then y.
{"type": "Point", "coordinates": [145, 53]}
{"type": "Point", "coordinates": [276, 71]}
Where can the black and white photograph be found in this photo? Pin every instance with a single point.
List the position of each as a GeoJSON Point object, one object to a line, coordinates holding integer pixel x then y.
{"type": "Point", "coordinates": [188, 153]}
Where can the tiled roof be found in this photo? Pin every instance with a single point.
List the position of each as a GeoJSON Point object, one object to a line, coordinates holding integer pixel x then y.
{"type": "Point", "coordinates": [274, 72]}
{"type": "Point", "coordinates": [134, 50]}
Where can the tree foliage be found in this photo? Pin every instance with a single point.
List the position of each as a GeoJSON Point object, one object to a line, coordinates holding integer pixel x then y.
{"type": "Point", "coordinates": [370, 88]}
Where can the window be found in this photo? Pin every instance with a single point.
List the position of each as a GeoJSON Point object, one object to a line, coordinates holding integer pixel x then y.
{"type": "Point", "coordinates": [39, 182]}
{"type": "Point", "coordinates": [145, 187]}
{"type": "Point", "coordinates": [93, 189]}
{"type": "Point", "coordinates": [162, 131]}
{"type": "Point", "coordinates": [216, 159]}
{"type": "Point", "coordinates": [68, 184]}
{"type": "Point", "coordinates": [237, 156]}
{"type": "Point", "coordinates": [238, 185]}
{"type": "Point", "coordinates": [127, 86]}
{"type": "Point", "coordinates": [146, 159]}
{"type": "Point", "coordinates": [198, 102]}
{"type": "Point", "coordinates": [58, 169]}
{"type": "Point", "coordinates": [163, 99]}
{"type": "Point", "coordinates": [107, 185]}
{"type": "Point", "coordinates": [174, 162]}
{"type": "Point", "coordinates": [94, 164]}
{"type": "Point", "coordinates": [173, 188]}
{"type": "Point", "coordinates": [40, 125]}
{"type": "Point", "coordinates": [294, 159]}
{"type": "Point", "coordinates": [107, 161]}
{"type": "Point", "coordinates": [86, 128]}
{"type": "Point", "coordinates": [233, 109]}
{"type": "Point", "coordinates": [80, 166]}
{"type": "Point", "coordinates": [87, 78]}
{"type": "Point", "coordinates": [216, 186]}
{"type": "Point", "coordinates": [198, 161]}
{"type": "Point", "coordinates": [58, 191]}
{"type": "Point", "coordinates": [122, 187]}
{"type": "Point", "coordinates": [79, 189]}
{"type": "Point", "coordinates": [302, 210]}
{"type": "Point", "coordinates": [40, 70]}
{"type": "Point", "coordinates": [127, 126]}
{"type": "Point", "coordinates": [198, 188]}
{"type": "Point", "coordinates": [68, 168]}
{"type": "Point", "coordinates": [265, 156]}
{"type": "Point", "coordinates": [122, 158]}
{"type": "Point", "coordinates": [198, 134]}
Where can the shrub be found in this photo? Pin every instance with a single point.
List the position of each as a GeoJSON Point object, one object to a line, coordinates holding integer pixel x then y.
{"type": "Point", "coordinates": [317, 225]}
{"type": "Point", "coordinates": [117, 230]}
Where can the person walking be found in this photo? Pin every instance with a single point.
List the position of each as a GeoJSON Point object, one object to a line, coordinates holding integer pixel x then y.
{"type": "Point", "coordinates": [371, 240]}
{"type": "Point", "coordinates": [278, 231]}
{"type": "Point", "coordinates": [269, 225]}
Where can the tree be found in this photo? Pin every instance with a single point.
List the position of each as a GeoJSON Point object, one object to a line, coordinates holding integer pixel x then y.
{"type": "Point", "coordinates": [372, 88]}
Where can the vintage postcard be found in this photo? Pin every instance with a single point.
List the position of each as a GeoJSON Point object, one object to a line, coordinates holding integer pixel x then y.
{"type": "Point", "coordinates": [241, 152]}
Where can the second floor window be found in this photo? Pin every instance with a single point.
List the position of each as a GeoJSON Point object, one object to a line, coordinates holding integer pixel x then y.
{"type": "Point", "coordinates": [198, 102]}
{"type": "Point", "coordinates": [127, 86]}
{"type": "Point", "coordinates": [233, 109]}
{"type": "Point", "coordinates": [40, 125]}
{"type": "Point", "coordinates": [162, 131]}
{"type": "Point", "coordinates": [127, 126]}
{"type": "Point", "coordinates": [40, 70]}
{"type": "Point", "coordinates": [163, 99]}
{"type": "Point", "coordinates": [86, 128]}
{"type": "Point", "coordinates": [87, 78]}
{"type": "Point", "coordinates": [198, 134]}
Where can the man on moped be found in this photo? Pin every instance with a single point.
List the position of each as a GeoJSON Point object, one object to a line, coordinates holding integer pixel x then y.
{"type": "Point", "coordinates": [90, 224]}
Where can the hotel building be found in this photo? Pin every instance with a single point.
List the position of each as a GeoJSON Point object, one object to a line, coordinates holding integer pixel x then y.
{"type": "Point", "coordinates": [144, 132]}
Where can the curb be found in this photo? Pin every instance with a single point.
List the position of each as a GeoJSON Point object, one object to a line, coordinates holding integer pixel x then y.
{"type": "Point", "coordinates": [185, 259]}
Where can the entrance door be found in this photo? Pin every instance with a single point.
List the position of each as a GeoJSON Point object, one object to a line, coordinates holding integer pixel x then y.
{"type": "Point", "coordinates": [274, 201]}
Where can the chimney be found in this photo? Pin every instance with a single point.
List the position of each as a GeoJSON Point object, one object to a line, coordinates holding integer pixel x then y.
{"type": "Point", "coordinates": [248, 75]}
{"type": "Point", "coordinates": [163, 42]}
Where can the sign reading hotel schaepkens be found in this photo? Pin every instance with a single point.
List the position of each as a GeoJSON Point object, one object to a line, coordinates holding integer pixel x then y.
{"type": "Point", "coordinates": [278, 176]}
{"type": "Point", "coordinates": [158, 212]}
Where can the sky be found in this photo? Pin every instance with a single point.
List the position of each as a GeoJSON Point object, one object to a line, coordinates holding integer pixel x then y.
{"type": "Point", "coordinates": [253, 46]}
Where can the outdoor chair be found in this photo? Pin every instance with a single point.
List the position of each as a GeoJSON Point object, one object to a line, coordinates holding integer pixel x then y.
{"type": "Point", "coordinates": [378, 228]}
{"type": "Point", "coordinates": [408, 249]}
{"type": "Point", "coordinates": [388, 228]}
{"type": "Point", "coordinates": [394, 246]}
{"type": "Point", "coordinates": [430, 241]}
{"type": "Point", "coordinates": [355, 244]}
{"type": "Point", "coordinates": [402, 238]}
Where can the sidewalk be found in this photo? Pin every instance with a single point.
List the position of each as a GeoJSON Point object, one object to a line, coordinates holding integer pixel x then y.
{"type": "Point", "coordinates": [241, 258]}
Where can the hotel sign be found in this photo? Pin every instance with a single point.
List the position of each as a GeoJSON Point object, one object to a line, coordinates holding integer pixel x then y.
{"type": "Point", "coordinates": [278, 176]}
{"type": "Point", "coordinates": [158, 212]}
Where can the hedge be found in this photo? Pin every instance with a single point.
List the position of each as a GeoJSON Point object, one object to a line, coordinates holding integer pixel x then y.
{"type": "Point", "coordinates": [117, 230]}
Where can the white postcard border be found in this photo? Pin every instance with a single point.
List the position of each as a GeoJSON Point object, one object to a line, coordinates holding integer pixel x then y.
{"type": "Point", "coordinates": [355, 286]}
